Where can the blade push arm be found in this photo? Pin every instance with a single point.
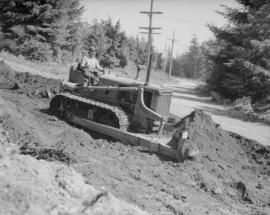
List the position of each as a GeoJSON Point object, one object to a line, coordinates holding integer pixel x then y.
{"type": "Point", "coordinates": [142, 112]}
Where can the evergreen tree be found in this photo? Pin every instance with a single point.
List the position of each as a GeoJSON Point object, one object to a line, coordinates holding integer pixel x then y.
{"type": "Point", "coordinates": [114, 47]}
{"type": "Point", "coordinates": [35, 24]}
{"type": "Point", "coordinates": [241, 51]}
{"type": "Point", "coordinates": [193, 58]}
{"type": "Point", "coordinates": [109, 41]}
{"type": "Point", "coordinates": [191, 64]}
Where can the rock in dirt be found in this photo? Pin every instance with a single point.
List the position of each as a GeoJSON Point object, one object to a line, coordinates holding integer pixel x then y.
{"type": "Point", "coordinates": [217, 190]}
{"type": "Point", "coordinates": [243, 192]}
{"type": "Point", "coordinates": [15, 86]}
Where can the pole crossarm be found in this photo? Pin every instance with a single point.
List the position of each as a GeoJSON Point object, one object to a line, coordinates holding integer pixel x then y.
{"type": "Point", "coordinates": [148, 33]}
{"type": "Point", "coordinates": [153, 12]}
{"type": "Point", "coordinates": [153, 28]}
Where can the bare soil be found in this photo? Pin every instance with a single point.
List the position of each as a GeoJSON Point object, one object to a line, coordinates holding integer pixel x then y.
{"type": "Point", "coordinates": [38, 187]}
{"type": "Point", "coordinates": [231, 175]}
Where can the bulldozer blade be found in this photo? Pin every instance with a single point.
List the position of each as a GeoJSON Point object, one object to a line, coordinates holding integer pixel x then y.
{"type": "Point", "coordinates": [126, 137]}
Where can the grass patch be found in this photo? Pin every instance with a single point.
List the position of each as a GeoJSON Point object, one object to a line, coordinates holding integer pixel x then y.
{"type": "Point", "coordinates": [61, 70]}
{"type": "Point", "coordinates": [47, 69]}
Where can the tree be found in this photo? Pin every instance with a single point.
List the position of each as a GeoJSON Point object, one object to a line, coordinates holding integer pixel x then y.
{"type": "Point", "coordinates": [114, 47]}
{"type": "Point", "coordinates": [34, 24]}
{"type": "Point", "coordinates": [110, 42]}
{"type": "Point", "coordinates": [240, 52]}
{"type": "Point", "coordinates": [191, 64]}
{"type": "Point", "coordinates": [193, 58]}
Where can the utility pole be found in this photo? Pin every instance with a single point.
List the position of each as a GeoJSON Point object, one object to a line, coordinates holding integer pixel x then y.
{"type": "Point", "coordinates": [149, 32]}
{"type": "Point", "coordinates": [165, 58]}
{"type": "Point", "coordinates": [171, 57]}
{"type": "Point", "coordinates": [137, 58]}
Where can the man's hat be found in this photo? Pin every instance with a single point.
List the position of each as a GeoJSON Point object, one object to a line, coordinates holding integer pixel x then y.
{"type": "Point", "coordinates": [92, 49]}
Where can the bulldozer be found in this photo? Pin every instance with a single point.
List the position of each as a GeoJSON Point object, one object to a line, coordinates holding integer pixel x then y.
{"type": "Point", "coordinates": [124, 109]}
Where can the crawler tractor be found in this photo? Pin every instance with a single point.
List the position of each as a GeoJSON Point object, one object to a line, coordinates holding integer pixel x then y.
{"type": "Point", "coordinates": [121, 108]}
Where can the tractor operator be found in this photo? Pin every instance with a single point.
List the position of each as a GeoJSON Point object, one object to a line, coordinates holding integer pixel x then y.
{"type": "Point", "coordinates": [89, 65]}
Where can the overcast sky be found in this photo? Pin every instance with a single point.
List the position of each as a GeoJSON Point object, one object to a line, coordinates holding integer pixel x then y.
{"type": "Point", "coordinates": [186, 17]}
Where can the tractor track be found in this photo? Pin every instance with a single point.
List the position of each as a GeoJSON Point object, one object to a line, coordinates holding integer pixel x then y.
{"type": "Point", "coordinates": [122, 117]}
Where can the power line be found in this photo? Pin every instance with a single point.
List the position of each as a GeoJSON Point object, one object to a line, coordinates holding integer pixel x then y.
{"type": "Point", "coordinates": [173, 19]}
{"type": "Point", "coordinates": [199, 20]}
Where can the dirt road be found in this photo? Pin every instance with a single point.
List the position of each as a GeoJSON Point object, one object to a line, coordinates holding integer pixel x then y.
{"type": "Point", "coordinates": [186, 100]}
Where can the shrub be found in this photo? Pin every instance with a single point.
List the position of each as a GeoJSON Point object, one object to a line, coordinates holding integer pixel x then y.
{"type": "Point", "coordinates": [36, 50]}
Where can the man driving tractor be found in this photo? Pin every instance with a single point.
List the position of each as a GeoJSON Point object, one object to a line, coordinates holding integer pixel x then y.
{"type": "Point", "coordinates": [89, 65]}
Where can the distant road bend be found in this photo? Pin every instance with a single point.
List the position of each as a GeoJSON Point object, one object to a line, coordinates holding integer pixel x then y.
{"type": "Point", "coordinates": [185, 100]}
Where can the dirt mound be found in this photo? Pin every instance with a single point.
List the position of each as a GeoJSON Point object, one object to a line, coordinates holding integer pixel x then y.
{"type": "Point", "coordinates": [208, 137]}
{"type": "Point", "coordinates": [29, 84]}
{"type": "Point", "coordinates": [30, 186]}
{"type": "Point", "coordinates": [226, 162]}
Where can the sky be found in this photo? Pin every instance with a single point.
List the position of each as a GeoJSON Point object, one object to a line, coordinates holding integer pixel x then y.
{"type": "Point", "coordinates": [185, 17]}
